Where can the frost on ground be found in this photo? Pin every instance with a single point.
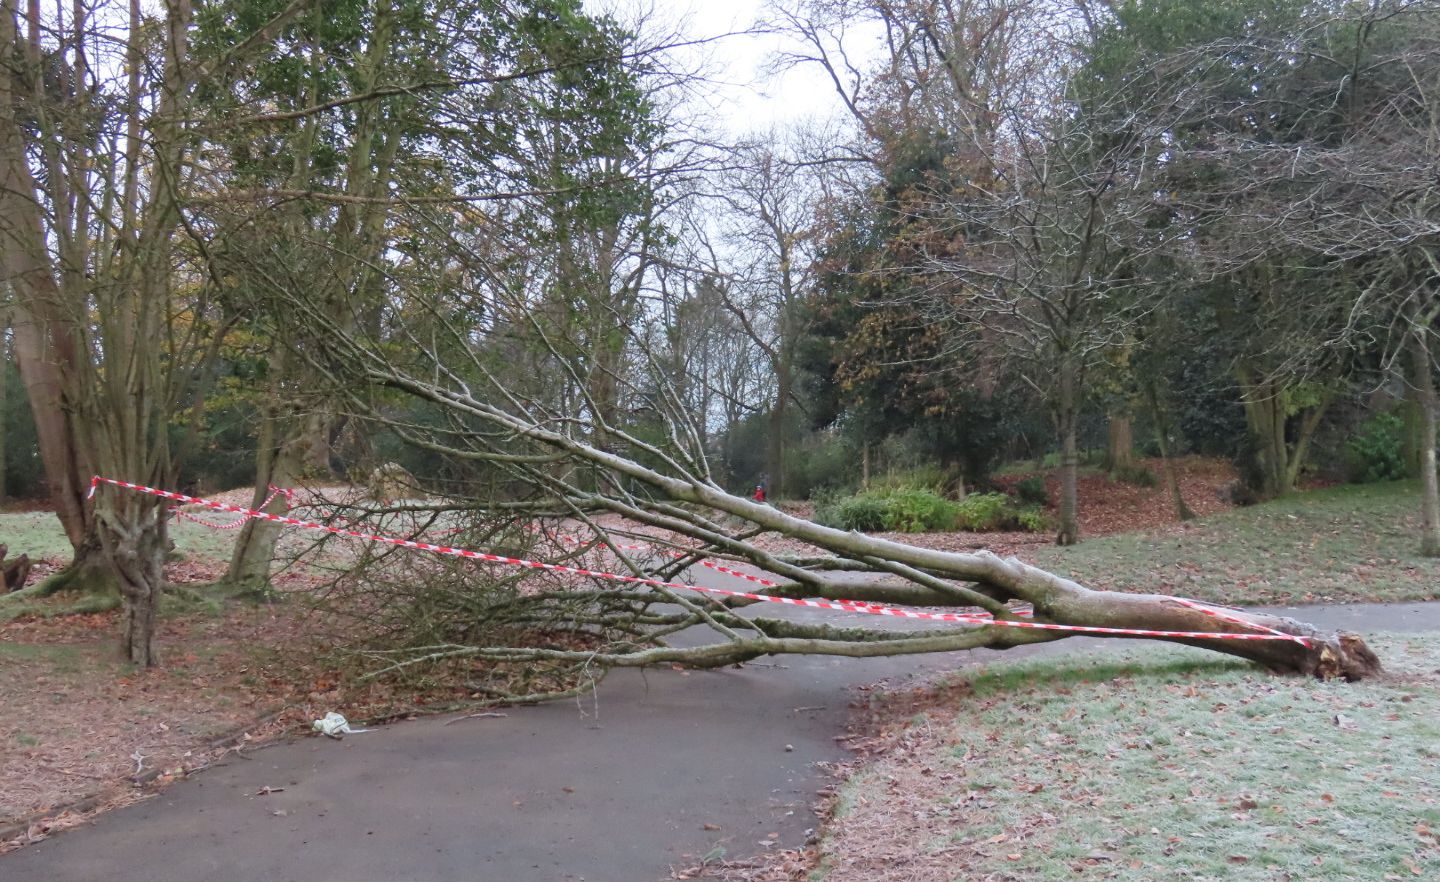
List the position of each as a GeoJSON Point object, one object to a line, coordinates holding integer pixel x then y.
{"type": "Point", "coordinates": [1137, 765]}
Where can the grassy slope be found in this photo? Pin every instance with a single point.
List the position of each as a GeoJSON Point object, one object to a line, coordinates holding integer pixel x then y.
{"type": "Point", "coordinates": [1152, 763]}
{"type": "Point", "coordinates": [1342, 544]}
{"type": "Point", "coordinates": [38, 534]}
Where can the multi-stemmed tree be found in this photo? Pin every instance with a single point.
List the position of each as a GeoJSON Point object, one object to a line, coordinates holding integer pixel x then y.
{"type": "Point", "coordinates": [115, 304]}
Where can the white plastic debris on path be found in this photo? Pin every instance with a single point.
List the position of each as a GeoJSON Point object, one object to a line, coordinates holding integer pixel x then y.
{"type": "Point", "coordinates": [335, 725]}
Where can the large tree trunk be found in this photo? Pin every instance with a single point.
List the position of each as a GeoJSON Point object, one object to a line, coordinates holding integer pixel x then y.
{"type": "Point", "coordinates": [46, 340]}
{"type": "Point", "coordinates": [315, 441]}
{"type": "Point", "coordinates": [1423, 385]}
{"type": "Point", "coordinates": [1120, 442]}
{"type": "Point", "coordinates": [1067, 419]}
{"type": "Point", "coordinates": [775, 446]}
{"type": "Point", "coordinates": [133, 529]}
{"type": "Point", "coordinates": [1412, 440]}
{"type": "Point", "coordinates": [1265, 416]}
{"type": "Point", "coordinates": [279, 460]}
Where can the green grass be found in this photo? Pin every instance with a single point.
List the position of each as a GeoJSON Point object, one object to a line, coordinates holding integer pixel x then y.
{"type": "Point", "coordinates": [38, 534]}
{"type": "Point", "coordinates": [1160, 762]}
{"type": "Point", "coordinates": [1347, 543]}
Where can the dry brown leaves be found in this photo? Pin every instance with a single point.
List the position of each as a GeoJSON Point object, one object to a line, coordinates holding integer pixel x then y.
{"type": "Point", "coordinates": [84, 727]}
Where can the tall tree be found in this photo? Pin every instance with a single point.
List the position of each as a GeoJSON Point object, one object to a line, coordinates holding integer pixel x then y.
{"type": "Point", "coordinates": [115, 313]}
{"type": "Point", "coordinates": [1299, 151]}
{"type": "Point", "coordinates": [770, 230]}
{"type": "Point", "coordinates": [1023, 228]}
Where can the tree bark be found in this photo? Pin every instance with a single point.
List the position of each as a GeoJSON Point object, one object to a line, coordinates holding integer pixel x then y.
{"type": "Point", "coordinates": [1067, 421]}
{"type": "Point", "coordinates": [1412, 439]}
{"type": "Point", "coordinates": [775, 444]}
{"type": "Point", "coordinates": [1120, 443]}
{"type": "Point", "coordinates": [279, 460]}
{"type": "Point", "coordinates": [1423, 386]}
{"type": "Point", "coordinates": [4, 396]}
{"type": "Point", "coordinates": [1266, 413]}
{"type": "Point", "coordinates": [315, 441]}
{"type": "Point", "coordinates": [1265, 416]}
{"type": "Point", "coordinates": [133, 530]}
{"type": "Point", "coordinates": [46, 340]}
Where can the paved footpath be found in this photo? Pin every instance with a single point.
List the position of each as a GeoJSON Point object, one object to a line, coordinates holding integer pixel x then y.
{"type": "Point", "coordinates": [650, 773]}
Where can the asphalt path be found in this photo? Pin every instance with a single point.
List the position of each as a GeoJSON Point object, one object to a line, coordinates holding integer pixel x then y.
{"type": "Point", "coordinates": [650, 773]}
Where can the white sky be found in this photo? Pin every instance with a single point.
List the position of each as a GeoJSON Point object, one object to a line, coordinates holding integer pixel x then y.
{"type": "Point", "coordinates": [744, 98]}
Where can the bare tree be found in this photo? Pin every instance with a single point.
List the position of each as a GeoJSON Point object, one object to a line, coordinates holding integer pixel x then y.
{"type": "Point", "coordinates": [1024, 223]}
{"type": "Point", "coordinates": [770, 231]}
{"type": "Point", "coordinates": [644, 471]}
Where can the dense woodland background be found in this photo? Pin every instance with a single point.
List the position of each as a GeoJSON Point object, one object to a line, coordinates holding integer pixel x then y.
{"type": "Point", "coordinates": [254, 242]}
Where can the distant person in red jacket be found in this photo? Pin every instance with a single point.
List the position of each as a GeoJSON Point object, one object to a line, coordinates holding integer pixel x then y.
{"type": "Point", "coordinates": [760, 492]}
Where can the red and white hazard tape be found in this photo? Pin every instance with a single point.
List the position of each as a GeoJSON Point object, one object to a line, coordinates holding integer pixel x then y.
{"type": "Point", "coordinates": [243, 519]}
{"type": "Point", "coordinates": [841, 605]}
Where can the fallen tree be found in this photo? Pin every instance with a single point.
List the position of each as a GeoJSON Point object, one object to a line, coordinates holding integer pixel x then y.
{"type": "Point", "coordinates": [664, 492]}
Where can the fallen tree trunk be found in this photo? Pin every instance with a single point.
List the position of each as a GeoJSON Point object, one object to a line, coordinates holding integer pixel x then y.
{"type": "Point", "coordinates": [665, 487]}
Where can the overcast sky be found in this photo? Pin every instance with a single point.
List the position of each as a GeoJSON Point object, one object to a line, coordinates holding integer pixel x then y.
{"type": "Point", "coordinates": [743, 98]}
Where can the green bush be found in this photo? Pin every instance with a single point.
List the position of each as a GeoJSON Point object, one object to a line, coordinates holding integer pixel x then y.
{"type": "Point", "coordinates": [865, 512]}
{"type": "Point", "coordinates": [1034, 519]}
{"type": "Point", "coordinates": [921, 477]}
{"type": "Point", "coordinates": [912, 510]}
{"type": "Point", "coordinates": [826, 463]}
{"type": "Point", "coordinates": [1139, 475]}
{"type": "Point", "coordinates": [902, 510]}
{"type": "Point", "coordinates": [1031, 490]}
{"type": "Point", "coordinates": [990, 512]}
{"type": "Point", "coordinates": [1377, 454]}
{"type": "Point", "coordinates": [984, 512]}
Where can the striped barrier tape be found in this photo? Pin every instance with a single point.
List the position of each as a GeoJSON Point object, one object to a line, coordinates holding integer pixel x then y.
{"type": "Point", "coordinates": [840, 605]}
{"type": "Point", "coordinates": [1206, 609]}
{"type": "Point", "coordinates": [243, 519]}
